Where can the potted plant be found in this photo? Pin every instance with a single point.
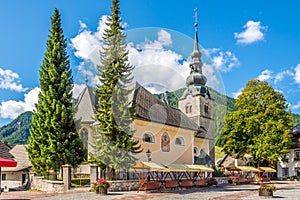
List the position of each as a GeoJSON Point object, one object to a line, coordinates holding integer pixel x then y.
{"type": "Point", "coordinates": [233, 180]}
{"type": "Point", "coordinates": [266, 190]}
{"type": "Point", "coordinates": [212, 181]}
{"type": "Point", "coordinates": [101, 186]}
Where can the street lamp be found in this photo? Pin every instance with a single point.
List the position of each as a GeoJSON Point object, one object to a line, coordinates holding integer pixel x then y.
{"type": "Point", "coordinates": [148, 153]}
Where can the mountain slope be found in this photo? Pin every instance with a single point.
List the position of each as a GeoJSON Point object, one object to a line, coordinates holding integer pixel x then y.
{"type": "Point", "coordinates": [17, 132]}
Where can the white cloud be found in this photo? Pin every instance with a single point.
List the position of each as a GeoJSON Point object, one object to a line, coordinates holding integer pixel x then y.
{"type": "Point", "coordinates": [296, 106]}
{"type": "Point", "coordinates": [253, 33]}
{"type": "Point", "coordinates": [10, 80]}
{"type": "Point", "coordinates": [11, 109]}
{"type": "Point", "coordinates": [236, 94]}
{"type": "Point", "coordinates": [281, 75]}
{"type": "Point", "coordinates": [297, 74]}
{"type": "Point", "coordinates": [164, 37]}
{"type": "Point", "coordinates": [153, 59]}
{"type": "Point", "coordinates": [223, 61]}
{"type": "Point", "coordinates": [266, 75]}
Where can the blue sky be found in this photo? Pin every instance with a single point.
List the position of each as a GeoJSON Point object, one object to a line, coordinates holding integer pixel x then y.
{"type": "Point", "coordinates": [241, 40]}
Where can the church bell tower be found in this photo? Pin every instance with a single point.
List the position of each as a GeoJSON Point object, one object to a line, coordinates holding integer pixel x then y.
{"type": "Point", "coordinates": [196, 101]}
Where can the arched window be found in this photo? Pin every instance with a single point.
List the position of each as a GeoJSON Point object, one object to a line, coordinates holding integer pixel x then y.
{"type": "Point", "coordinates": [148, 137]}
{"type": "Point", "coordinates": [196, 150]}
{"type": "Point", "coordinates": [179, 141]}
{"type": "Point", "coordinates": [84, 135]}
{"type": "Point", "coordinates": [206, 108]}
{"type": "Point", "coordinates": [188, 108]}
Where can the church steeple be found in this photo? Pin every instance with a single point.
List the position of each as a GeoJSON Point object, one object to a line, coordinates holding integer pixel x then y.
{"type": "Point", "coordinates": [196, 81]}
{"type": "Point", "coordinates": [196, 64]}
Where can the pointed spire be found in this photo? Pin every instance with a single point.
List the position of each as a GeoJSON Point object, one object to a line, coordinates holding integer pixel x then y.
{"type": "Point", "coordinates": [196, 64]}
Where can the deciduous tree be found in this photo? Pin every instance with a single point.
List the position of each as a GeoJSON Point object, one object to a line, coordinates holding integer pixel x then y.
{"type": "Point", "coordinates": [260, 126]}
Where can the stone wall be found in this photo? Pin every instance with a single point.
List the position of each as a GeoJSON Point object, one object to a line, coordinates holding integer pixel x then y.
{"type": "Point", "coordinates": [38, 183]}
{"type": "Point", "coordinates": [134, 185]}
{"type": "Point", "coordinates": [222, 180]}
{"type": "Point", "coordinates": [123, 186]}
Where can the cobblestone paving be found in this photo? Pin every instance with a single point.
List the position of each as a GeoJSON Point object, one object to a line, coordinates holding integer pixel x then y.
{"type": "Point", "coordinates": [286, 190]}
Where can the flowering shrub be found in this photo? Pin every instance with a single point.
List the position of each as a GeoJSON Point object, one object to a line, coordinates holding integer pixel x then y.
{"type": "Point", "coordinates": [212, 181]}
{"type": "Point", "coordinates": [101, 184]}
{"type": "Point", "coordinates": [233, 179]}
{"type": "Point", "coordinates": [269, 188]}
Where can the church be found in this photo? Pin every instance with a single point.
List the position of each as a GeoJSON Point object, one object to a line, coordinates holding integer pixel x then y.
{"type": "Point", "coordinates": [167, 135]}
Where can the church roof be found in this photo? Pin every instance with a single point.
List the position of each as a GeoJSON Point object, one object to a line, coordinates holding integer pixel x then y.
{"type": "Point", "coordinates": [296, 129]}
{"type": "Point", "coordinates": [150, 108]}
{"type": "Point", "coordinates": [4, 151]}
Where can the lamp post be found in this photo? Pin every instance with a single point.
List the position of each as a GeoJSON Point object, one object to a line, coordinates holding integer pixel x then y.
{"type": "Point", "coordinates": [148, 153]}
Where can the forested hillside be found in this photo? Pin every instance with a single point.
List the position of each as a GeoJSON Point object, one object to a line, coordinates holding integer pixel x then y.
{"type": "Point", "coordinates": [17, 132]}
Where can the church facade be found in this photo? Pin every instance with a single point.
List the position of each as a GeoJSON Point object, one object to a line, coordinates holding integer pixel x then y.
{"type": "Point", "coordinates": [173, 136]}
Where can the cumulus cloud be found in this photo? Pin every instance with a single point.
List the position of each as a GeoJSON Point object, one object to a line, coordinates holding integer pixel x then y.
{"type": "Point", "coordinates": [297, 74]}
{"type": "Point", "coordinates": [281, 75]}
{"type": "Point", "coordinates": [10, 80]}
{"type": "Point", "coordinates": [253, 32]}
{"type": "Point", "coordinates": [266, 75]}
{"type": "Point", "coordinates": [223, 61]}
{"type": "Point", "coordinates": [11, 109]}
{"type": "Point", "coordinates": [237, 93]}
{"type": "Point", "coordinates": [296, 106]}
{"type": "Point", "coordinates": [153, 59]}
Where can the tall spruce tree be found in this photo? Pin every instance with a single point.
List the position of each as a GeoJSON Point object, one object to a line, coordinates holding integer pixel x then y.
{"type": "Point", "coordinates": [114, 145]}
{"type": "Point", "coordinates": [260, 126]}
{"type": "Point", "coordinates": [53, 138]}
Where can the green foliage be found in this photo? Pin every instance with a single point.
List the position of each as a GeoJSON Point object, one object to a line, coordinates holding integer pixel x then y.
{"type": "Point", "coordinates": [17, 132]}
{"type": "Point", "coordinates": [296, 119]}
{"type": "Point", "coordinates": [54, 141]}
{"type": "Point", "coordinates": [260, 126]}
{"type": "Point", "coordinates": [113, 143]}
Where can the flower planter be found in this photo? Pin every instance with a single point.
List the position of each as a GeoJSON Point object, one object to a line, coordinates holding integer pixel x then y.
{"type": "Point", "coordinates": [103, 191]}
{"type": "Point", "coordinates": [265, 193]}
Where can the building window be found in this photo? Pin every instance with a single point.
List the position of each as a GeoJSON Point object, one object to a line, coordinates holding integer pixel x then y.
{"type": "Point", "coordinates": [179, 141]}
{"type": "Point", "coordinates": [148, 137]}
{"type": "Point", "coordinates": [3, 177]}
{"type": "Point", "coordinates": [196, 151]}
{"type": "Point", "coordinates": [188, 108]}
{"type": "Point", "coordinates": [297, 171]}
{"type": "Point", "coordinates": [84, 134]}
{"type": "Point", "coordinates": [206, 108]}
{"type": "Point", "coordinates": [297, 155]}
{"type": "Point", "coordinates": [285, 172]}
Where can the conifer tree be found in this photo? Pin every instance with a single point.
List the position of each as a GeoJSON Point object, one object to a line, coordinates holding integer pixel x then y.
{"type": "Point", "coordinates": [114, 145]}
{"type": "Point", "coordinates": [260, 126]}
{"type": "Point", "coordinates": [53, 138]}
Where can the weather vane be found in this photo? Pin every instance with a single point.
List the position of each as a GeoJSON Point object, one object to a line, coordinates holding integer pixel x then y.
{"type": "Point", "coordinates": [196, 17]}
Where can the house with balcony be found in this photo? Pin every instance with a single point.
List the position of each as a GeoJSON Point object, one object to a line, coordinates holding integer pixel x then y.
{"type": "Point", "coordinates": [292, 167]}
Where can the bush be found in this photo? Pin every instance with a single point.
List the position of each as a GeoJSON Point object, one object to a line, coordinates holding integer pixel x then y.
{"type": "Point", "coordinates": [212, 181]}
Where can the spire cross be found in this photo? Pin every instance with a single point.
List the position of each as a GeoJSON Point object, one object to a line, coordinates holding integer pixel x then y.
{"type": "Point", "coordinates": [196, 17]}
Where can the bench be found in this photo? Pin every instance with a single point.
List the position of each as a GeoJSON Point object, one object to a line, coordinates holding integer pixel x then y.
{"type": "Point", "coordinates": [200, 183]}
{"type": "Point", "coordinates": [171, 184]}
{"type": "Point", "coordinates": [186, 183]}
{"type": "Point", "coordinates": [152, 185]}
